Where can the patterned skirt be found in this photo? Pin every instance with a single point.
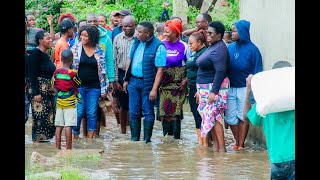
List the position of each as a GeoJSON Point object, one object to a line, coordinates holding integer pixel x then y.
{"type": "Point", "coordinates": [171, 99]}
{"type": "Point", "coordinates": [43, 112]}
{"type": "Point", "coordinates": [212, 112]}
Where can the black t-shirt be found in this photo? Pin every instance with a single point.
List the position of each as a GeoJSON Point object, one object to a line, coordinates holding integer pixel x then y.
{"type": "Point", "coordinates": [88, 71]}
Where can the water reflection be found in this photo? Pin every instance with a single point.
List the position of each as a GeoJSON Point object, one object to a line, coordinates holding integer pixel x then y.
{"type": "Point", "coordinates": [163, 158]}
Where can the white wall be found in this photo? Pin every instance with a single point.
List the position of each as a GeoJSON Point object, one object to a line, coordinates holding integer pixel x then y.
{"type": "Point", "coordinates": [272, 28]}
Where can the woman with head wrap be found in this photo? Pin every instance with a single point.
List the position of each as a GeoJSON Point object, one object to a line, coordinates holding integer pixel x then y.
{"type": "Point", "coordinates": [174, 81]}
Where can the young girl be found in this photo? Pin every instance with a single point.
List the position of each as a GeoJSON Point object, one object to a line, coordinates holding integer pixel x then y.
{"type": "Point", "coordinates": [66, 83]}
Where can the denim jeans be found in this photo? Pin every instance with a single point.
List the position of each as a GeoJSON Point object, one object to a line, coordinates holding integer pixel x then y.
{"type": "Point", "coordinates": [139, 100]}
{"type": "Point", "coordinates": [88, 107]}
{"type": "Point", "coordinates": [285, 170]}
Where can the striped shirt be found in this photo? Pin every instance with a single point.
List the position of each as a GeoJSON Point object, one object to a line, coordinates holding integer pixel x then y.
{"type": "Point", "coordinates": [121, 49]}
{"type": "Point", "coordinates": [66, 82]}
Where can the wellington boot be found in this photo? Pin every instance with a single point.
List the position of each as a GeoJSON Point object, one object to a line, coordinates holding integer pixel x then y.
{"type": "Point", "coordinates": [147, 130]}
{"type": "Point", "coordinates": [135, 128]}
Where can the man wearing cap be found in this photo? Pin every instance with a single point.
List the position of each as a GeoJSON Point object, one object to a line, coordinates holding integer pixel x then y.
{"type": "Point", "coordinates": [121, 14]}
{"type": "Point", "coordinates": [114, 21]}
{"type": "Point", "coordinates": [66, 29]}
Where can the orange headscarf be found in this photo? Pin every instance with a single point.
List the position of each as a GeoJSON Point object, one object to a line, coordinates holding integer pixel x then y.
{"type": "Point", "coordinates": [175, 25]}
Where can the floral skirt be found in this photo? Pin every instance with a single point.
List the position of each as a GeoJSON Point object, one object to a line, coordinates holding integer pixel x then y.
{"type": "Point", "coordinates": [172, 99]}
{"type": "Point", "coordinates": [212, 112]}
{"type": "Point", "coordinates": [43, 112]}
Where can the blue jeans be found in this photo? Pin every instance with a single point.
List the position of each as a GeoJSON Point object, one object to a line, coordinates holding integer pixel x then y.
{"type": "Point", "coordinates": [88, 107]}
{"type": "Point", "coordinates": [139, 100]}
{"type": "Point", "coordinates": [164, 13]}
{"type": "Point", "coordinates": [285, 170]}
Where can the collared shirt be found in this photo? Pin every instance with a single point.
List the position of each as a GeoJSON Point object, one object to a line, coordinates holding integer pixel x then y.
{"type": "Point", "coordinates": [121, 49]}
{"type": "Point", "coordinates": [136, 64]}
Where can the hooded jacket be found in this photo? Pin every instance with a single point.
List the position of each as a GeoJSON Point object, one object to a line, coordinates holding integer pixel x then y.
{"type": "Point", "coordinates": [245, 57]}
{"type": "Point", "coordinates": [106, 44]}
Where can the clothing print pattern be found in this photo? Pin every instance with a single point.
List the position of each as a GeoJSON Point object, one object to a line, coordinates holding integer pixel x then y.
{"type": "Point", "coordinates": [43, 112]}
{"type": "Point", "coordinates": [212, 112]}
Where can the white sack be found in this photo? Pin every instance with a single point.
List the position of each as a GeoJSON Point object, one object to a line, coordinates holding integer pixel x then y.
{"type": "Point", "coordinates": [274, 90]}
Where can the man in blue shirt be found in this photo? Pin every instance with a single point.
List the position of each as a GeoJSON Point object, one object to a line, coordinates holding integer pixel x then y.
{"type": "Point", "coordinates": [147, 59]}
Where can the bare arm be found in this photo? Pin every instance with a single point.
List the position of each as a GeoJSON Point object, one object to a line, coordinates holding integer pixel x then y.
{"type": "Point", "coordinates": [247, 102]}
{"type": "Point", "coordinates": [188, 32]}
{"type": "Point", "coordinates": [50, 21]}
{"type": "Point", "coordinates": [156, 84]}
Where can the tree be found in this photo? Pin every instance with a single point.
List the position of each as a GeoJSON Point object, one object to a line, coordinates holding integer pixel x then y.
{"type": "Point", "coordinates": [198, 4]}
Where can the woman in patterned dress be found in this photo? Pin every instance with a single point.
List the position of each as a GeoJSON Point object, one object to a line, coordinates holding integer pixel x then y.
{"type": "Point", "coordinates": [174, 80]}
{"type": "Point", "coordinates": [41, 70]}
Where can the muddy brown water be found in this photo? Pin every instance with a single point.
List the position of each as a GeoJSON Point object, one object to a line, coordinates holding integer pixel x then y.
{"type": "Point", "coordinates": [163, 158]}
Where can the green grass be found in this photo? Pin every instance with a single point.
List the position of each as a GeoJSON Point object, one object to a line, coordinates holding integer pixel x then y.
{"type": "Point", "coordinates": [66, 174]}
{"type": "Point", "coordinates": [72, 174]}
{"type": "Point", "coordinates": [80, 158]}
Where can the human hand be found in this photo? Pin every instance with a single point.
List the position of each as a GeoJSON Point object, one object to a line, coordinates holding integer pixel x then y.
{"type": "Point", "coordinates": [183, 85]}
{"type": "Point", "coordinates": [103, 97]}
{"type": "Point", "coordinates": [125, 86]}
{"type": "Point", "coordinates": [153, 95]}
{"type": "Point", "coordinates": [49, 18]}
{"type": "Point", "coordinates": [110, 88]}
{"type": "Point", "coordinates": [248, 82]}
{"type": "Point", "coordinates": [212, 98]}
{"type": "Point", "coordinates": [197, 97]}
{"type": "Point", "coordinates": [37, 98]}
{"type": "Point", "coordinates": [117, 86]}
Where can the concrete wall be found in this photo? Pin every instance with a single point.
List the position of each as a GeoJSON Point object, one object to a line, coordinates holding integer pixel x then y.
{"type": "Point", "coordinates": [273, 31]}
{"type": "Point", "coordinates": [180, 7]}
{"type": "Point", "coordinates": [272, 28]}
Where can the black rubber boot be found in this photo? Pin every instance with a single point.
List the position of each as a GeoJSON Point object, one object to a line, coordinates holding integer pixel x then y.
{"type": "Point", "coordinates": [147, 130]}
{"type": "Point", "coordinates": [170, 131]}
{"type": "Point", "coordinates": [166, 126]}
{"type": "Point", "coordinates": [135, 128]}
{"type": "Point", "coordinates": [176, 126]}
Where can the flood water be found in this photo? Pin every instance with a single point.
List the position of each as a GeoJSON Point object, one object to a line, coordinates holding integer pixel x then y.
{"type": "Point", "coordinates": [163, 158]}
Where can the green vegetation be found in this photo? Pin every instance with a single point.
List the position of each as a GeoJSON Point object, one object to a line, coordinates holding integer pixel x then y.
{"type": "Point", "coordinates": [72, 174]}
{"type": "Point", "coordinates": [80, 158]}
{"type": "Point", "coordinates": [142, 10]}
{"type": "Point", "coordinates": [66, 174]}
{"type": "Point", "coordinates": [227, 15]}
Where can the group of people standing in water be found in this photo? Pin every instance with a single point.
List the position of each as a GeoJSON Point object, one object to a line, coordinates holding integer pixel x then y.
{"type": "Point", "coordinates": [138, 71]}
